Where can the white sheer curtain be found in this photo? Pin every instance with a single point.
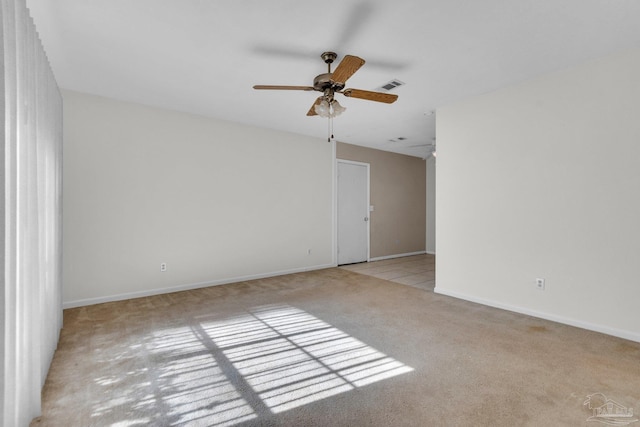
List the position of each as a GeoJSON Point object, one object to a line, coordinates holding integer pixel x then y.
{"type": "Point", "coordinates": [31, 158]}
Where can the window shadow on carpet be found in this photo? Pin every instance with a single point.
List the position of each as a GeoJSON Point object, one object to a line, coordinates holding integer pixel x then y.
{"type": "Point", "coordinates": [226, 371]}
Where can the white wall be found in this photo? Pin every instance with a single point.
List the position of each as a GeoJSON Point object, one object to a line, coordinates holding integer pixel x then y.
{"type": "Point", "coordinates": [217, 201]}
{"type": "Point", "coordinates": [542, 180]}
{"type": "Point", "coordinates": [431, 205]}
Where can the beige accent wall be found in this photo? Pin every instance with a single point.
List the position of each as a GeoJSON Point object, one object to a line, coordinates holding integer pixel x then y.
{"type": "Point", "coordinates": [431, 205]}
{"type": "Point", "coordinates": [398, 194]}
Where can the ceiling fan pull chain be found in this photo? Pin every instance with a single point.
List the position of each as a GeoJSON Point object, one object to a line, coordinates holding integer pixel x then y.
{"type": "Point", "coordinates": [330, 129]}
{"type": "Point", "coordinates": [331, 121]}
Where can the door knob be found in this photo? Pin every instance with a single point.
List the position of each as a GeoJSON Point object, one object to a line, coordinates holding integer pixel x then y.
{"type": "Point", "coordinates": [366, 218]}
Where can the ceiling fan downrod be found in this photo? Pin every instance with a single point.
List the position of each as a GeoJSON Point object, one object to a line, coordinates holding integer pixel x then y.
{"type": "Point", "coordinates": [328, 58]}
{"type": "Point", "coordinates": [325, 81]}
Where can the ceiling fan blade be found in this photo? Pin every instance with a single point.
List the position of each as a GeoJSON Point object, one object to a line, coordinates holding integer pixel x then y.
{"type": "Point", "coordinates": [312, 110]}
{"type": "Point", "coordinates": [284, 52]}
{"type": "Point", "coordinates": [274, 87]}
{"type": "Point", "coordinates": [356, 19]}
{"type": "Point", "coordinates": [387, 98]}
{"type": "Point", "coordinates": [349, 65]}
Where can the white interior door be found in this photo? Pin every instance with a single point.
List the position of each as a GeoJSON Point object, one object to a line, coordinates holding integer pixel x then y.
{"type": "Point", "coordinates": [353, 212]}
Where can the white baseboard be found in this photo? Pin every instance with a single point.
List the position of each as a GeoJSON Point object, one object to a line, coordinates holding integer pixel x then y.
{"type": "Point", "coordinates": [380, 258]}
{"type": "Point", "coordinates": [620, 333]}
{"type": "Point", "coordinates": [431, 253]}
{"type": "Point", "coordinates": [188, 286]}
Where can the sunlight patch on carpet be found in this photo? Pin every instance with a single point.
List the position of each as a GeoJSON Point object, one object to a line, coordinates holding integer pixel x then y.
{"type": "Point", "coordinates": [291, 358]}
{"type": "Point", "coordinates": [193, 384]}
{"type": "Point", "coordinates": [225, 371]}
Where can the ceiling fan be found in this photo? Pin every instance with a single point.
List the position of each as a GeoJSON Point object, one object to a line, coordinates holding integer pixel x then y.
{"type": "Point", "coordinates": [330, 83]}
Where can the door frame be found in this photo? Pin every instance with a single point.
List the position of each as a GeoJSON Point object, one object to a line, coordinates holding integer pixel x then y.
{"type": "Point", "coordinates": [335, 203]}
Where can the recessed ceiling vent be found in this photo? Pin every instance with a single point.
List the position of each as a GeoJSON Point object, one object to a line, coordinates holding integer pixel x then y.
{"type": "Point", "coordinates": [391, 85]}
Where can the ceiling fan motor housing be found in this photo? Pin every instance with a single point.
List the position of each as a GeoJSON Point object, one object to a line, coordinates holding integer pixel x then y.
{"type": "Point", "coordinates": [324, 81]}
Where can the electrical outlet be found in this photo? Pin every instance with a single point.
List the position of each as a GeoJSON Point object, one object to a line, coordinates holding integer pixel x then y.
{"type": "Point", "coordinates": [163, 266]}
{"type": "Point", "coordinates": [540, 284]}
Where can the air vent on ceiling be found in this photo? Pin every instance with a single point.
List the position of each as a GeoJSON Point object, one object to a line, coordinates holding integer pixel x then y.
{"type": "Point", "coordinates": [391, 85]}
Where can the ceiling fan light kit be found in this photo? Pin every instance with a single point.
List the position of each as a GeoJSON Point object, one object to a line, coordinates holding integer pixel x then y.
{"type": "Point", "coordinates": [330, 83]}
{"type": "Point", "coordinates": [326, 109]}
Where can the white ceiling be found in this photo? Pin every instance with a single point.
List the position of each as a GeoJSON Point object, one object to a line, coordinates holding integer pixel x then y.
{"type": "Point", "coordinates": [204, 56]}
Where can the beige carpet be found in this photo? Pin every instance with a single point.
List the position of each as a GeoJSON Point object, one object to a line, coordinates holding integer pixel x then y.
{"type": "Point", "coordinates": [328, 348]}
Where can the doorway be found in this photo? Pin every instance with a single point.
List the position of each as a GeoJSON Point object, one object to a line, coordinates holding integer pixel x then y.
{"type": "Point", "coordinates": [353, 212]}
